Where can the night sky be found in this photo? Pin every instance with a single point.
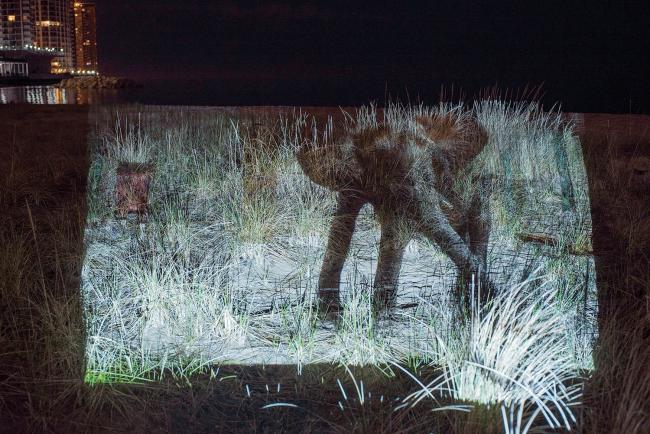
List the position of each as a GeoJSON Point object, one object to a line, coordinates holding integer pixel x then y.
{"type": "Point", "coordinates": [592, 57]}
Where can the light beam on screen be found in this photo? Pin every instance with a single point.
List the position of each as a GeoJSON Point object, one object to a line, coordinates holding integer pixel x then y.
{"type": "Point", "coordinates": [219, 261]}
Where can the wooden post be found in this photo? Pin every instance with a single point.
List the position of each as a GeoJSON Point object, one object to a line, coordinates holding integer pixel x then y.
{"type": "Point", "coordinates": [132, 188]}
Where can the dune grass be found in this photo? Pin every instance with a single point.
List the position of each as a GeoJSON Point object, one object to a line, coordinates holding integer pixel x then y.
{"type": "Point", "coordinates": [49, 334]}
{"type": "Point", "coordinates": [180, 292]}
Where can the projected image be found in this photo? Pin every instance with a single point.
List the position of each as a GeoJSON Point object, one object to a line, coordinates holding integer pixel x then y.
{"type": "Point", "coordinates": [455, 235]}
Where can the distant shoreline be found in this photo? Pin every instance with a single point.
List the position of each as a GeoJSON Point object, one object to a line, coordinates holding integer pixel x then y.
{"type": "Point", "coordinates": [217, 93]}
{"type": "Point", "coordinates": [98, 82]}
{"type": "Point", "coordinates": [15, 82]}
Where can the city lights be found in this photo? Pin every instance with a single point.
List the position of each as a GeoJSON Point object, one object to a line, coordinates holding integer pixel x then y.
{"type": "Point", "coordinates": [30, 47]}
{"type": "Point", "coordinates": [48, 23]}
{"type": "Point", "coordinates": [60, 28]}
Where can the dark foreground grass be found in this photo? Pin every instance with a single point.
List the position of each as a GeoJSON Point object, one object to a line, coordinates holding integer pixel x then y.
{"type": "Point", "coordinates": [43, 171]}
{"type": "Point", "coordinates": [617, 157]}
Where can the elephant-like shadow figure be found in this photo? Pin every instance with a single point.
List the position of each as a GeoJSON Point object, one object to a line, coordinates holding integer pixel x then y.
{"type": "Point", "coordinates": [407, 173]}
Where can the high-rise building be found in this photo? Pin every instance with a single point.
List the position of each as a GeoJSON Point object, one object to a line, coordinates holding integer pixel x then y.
{"type": "Point", "coordinates": [61, 29]}
{"type": "Point", "coordinates": [16, 24]}
{"type": "Point", "coordinates": [85, 30]}
{"type": "Point", "coordinates": [53, 30]}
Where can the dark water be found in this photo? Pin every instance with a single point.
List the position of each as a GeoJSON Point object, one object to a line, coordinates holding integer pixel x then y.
{"type": "Point", "coordinates": [54, 95]}
{"type": "Point", "coordinates": [339, 92]}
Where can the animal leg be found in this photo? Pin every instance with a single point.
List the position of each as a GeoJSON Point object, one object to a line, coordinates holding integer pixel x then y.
{"type": "Point", "coordinates": [391, 251]}
{"type": "Point", "coordinates": [438, 229]}
{"type": "Point", "coordinates": [479, 223]}
{"type": "Point", "coordinates": [338, 244]}
{"type": "Point", "coordinates": [478, 230]}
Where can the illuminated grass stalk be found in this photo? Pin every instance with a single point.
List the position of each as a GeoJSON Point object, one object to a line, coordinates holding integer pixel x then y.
{"type": "Point", "coordinates": [513, 354]}
{"type": "Point", "coordinates": [359, 339]}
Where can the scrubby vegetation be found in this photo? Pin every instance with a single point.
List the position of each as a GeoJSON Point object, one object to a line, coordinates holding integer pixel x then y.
{"type": "Point", "coordinates": [79, 361]}
{"type": "Point", "coordinates": [224, 267]}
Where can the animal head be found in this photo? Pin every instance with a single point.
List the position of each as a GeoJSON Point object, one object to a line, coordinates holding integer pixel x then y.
{"type": "Point", "coordinates": [455, 138]}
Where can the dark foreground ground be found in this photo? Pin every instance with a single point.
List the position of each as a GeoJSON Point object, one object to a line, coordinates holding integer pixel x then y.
{"type": "Point", "coordinates": [43, 171]}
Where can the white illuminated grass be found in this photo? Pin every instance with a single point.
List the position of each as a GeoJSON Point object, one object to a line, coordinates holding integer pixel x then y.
{"type": "Point", "coordinates": [513, 354]}
{"type": "Point", "coordinates": [225, 267]}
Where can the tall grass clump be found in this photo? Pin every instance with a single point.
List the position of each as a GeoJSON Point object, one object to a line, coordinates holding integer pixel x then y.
{"type": "Point", "coordinates": [618, 392]}
{"type": "Point", "coordinates": [360, 340]}
{"type": "Point", "coordinates": [128, 143]}
{"type": "Point", "coordinates": [534, 158]}
{"type": "Point", "coordinates": [512, 354]}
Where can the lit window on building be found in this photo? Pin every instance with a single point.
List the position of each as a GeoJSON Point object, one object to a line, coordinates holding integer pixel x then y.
{"type": "Point", "coordinates": [11, 18]}
{"type": "Point", "coordinates": [49, 23]}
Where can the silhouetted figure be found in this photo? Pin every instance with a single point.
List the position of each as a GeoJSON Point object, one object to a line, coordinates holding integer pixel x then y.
{"type": "Point", "coordinates": [407, 173]}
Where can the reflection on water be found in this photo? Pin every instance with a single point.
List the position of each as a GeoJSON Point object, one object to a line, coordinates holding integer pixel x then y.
{"type": "Point", "coordinates": [56, 95]}
{"type": "Point", "coordinates": [293, 92]}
